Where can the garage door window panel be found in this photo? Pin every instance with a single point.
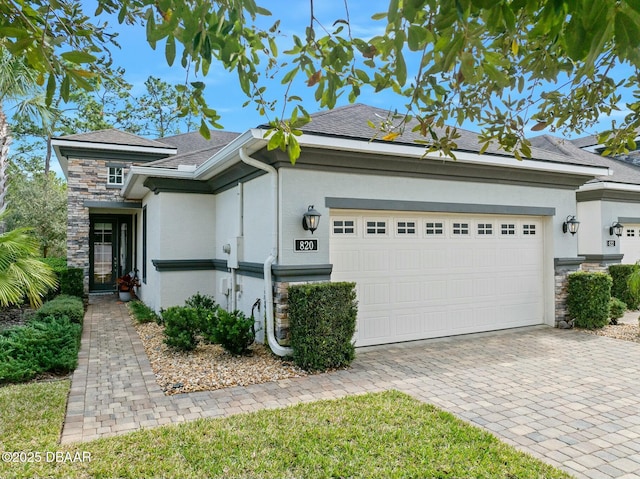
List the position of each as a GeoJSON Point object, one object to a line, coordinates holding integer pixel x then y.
{"type": "Point", "coordinates": [529, 229]}
{"type": "Point", "coordinates": [344, 227]}
{"type": "Point", "coordinates": [434, 228]}
{"type": "Point", "coordinates": [460, 228]}
{"type": "Point", "coordinates": [484, 229]}
{"type": "Point", "coordinates": [406, 228]}
{"type": "Point", "coordinates": [376, 227]}
{"type": "Point", "coordinates": [508, 230]}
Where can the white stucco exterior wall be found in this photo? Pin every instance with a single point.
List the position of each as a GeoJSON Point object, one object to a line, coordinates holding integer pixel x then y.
{"type": "Point", "coordinates": [179, 226]}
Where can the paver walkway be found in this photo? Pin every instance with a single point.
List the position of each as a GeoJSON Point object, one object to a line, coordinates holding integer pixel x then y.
{"type": "Point", "coordinates": [569, 398]}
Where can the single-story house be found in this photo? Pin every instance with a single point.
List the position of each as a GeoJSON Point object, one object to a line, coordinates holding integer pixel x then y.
{"type": "Point", "coordinates": [436, 246]}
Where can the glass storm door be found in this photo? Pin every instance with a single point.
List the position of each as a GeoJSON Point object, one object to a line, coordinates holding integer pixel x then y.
{"type": "Point", "coordinates": [110, 256]}
{"type": "Point", "coordinates": [103, 247]}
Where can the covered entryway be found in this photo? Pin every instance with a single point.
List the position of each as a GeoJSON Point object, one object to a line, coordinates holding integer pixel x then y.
{"type": "Point", "coordinates": [110, 250]}
{"type": "Point", "coordinates": [426, 275]}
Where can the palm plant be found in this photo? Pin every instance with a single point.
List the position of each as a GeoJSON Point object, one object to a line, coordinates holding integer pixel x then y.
{"type": "Point", "coordinates": [22, 274]}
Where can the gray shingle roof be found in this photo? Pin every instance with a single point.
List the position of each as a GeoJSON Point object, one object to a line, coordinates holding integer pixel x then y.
{"type": "Point", "coordinates": [352, 122]}
{"type": "Point", "coordinates": [115, 137]}
{"type": "Point", "coordinates": [194, 141]}
{"type": "Point", "coordinates": [622, 172]}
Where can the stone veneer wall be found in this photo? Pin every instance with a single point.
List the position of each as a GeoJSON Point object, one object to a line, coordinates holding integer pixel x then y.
{"type": "Point", "coordinates": [86, 181]}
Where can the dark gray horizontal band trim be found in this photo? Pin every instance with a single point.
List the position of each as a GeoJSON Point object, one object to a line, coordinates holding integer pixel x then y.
{"type": "Point", "coordinates": [118, 164]}
{"type": "Point", "coordinates": [114, 187]}
{"type": "Point", "coordinates": [175, 185]}
{"type": "Point", "coordinates": [568, 261]}
{"type": "Point", "coordinates": [628, 219]}
{"type": "Point", "coordinates": [184, 264]}
{"type": "Point", "coordinates": [253, 270]}
{"type": "Point", "coordinates": [113, 204]}
{"type": "Point", "coordinates": [608, 195]}
{"type": "Point", "coordinates": [603, 258]}
{"type": "Point", "coordinates": [310, 272]}
{"type": "Point", "coordinates": [425, 206]}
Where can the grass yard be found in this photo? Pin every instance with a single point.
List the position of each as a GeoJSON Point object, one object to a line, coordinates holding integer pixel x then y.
{"type": "Point", "coordinates": [376, 435]}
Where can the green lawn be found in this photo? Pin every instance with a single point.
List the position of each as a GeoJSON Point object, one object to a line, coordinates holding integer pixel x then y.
{"type": "Point", "coordinates": [376, 435]}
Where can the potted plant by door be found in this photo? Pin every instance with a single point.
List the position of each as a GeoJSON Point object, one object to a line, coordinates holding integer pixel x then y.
{"type": "Point", "coordinates": [126, 285]}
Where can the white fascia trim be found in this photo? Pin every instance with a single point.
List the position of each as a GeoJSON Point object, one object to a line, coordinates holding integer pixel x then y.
{"type": "Point", "coordinates": [417, 151]}
{"type": "Point", "coordinates": [603, 185]}
{"type": "Point", "coordinates": [140, 173]}
{"type": "Point", "coordinates": [251, 140]}
{"type": "Point", "coordinates": [114, 147]}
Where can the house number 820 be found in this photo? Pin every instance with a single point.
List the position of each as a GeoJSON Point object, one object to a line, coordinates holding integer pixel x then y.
{"type": "Point", "coordinates": [306, 245]}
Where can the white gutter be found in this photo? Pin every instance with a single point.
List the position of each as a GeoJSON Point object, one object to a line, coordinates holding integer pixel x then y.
{"type": "Point", "coordinates": [145, 171]}
{"type": "Point", "coordinates": [268, 285]}
{"type": "Point", "coordinates": [605, 185]}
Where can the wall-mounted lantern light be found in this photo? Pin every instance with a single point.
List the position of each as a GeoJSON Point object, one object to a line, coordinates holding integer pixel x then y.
{"type": "Point", "coordinates": [616, 229]}
{"type": "Point", "coordinates": [311, 219]}
{"type": "Point", "coordinates": [571, 225]}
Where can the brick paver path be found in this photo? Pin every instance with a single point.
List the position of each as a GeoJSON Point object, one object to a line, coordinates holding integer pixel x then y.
{"type": "Point", "coordinates": [568, 398]}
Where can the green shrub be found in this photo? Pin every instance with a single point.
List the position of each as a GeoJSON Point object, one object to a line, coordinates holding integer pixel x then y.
{"type": "Point", "coordinates": [57, 265]}
{"type": "Point", "coordinates": [322, 321]}
{"type": "Point", "coordinates": [181, 327]}
{"type": "Point", "coordinates": [61, 306]}
{"type": "Point", "coordinates": [49, 346]}
{"type": "Point", "coordinates": [617, 309]}
{"type": "Point", "coordinates": [141, 312]}
{"type": "Point", "coordinates": [207, 310]}
{"type": "Point", "coordinates": [234, 331]}
{"type": "Point", "coordinates": [588, 296]}
{"type": "Point", "coordinates": [71, 282]}
{"type": "Point", "coordinates": [620, 288]}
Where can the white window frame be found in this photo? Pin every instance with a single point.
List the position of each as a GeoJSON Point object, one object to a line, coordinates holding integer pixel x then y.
{"type": "Point", "coordinates": [406, 233]}
{"type": "Point", "coordinates": [376, 233]}
{"type": "Point", "coordinates": [117, 175]}
{"type": "Point", "coordinates": [630, 233]}
{"type": "Point", "coordinates": [435, 222]}
{"type": "Point", "coordinates": [530, 229]}
{"type": "Point", "coordinates": [484, 224]}
{"type": "Point", "coordinates": [511, 228]}
{"type": "Point", "coordinates": [463, 225]}
{"type": "Point", "coordinates": [343, 233]}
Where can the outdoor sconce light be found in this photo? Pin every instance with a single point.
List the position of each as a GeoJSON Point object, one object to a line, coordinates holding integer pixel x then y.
{"type": "Point", "coordinates": [311, 219]}
{"type": "Point", "coordinates": [571, 225]}
{"type": "Point", "coordinates": [616, 229]}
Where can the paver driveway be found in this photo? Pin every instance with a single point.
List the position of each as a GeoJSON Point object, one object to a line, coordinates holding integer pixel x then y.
{"type": "Point", "coordinates": [569, 398]}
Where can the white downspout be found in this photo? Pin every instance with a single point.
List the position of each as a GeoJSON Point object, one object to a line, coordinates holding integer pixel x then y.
{"type": "Point", "coordinates": [268, 284]}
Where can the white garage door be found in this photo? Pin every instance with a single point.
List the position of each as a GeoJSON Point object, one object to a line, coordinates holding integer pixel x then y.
{"type": "Point", "coordinates": [422, 275]}
{"type": "Point", "coordinates": [630, 244]}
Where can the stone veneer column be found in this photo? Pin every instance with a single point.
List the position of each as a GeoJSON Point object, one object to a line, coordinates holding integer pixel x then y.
{"type": "Point", "coordinates": [563, 268]}
{"type": "Point", "coordinates": [86, 181]}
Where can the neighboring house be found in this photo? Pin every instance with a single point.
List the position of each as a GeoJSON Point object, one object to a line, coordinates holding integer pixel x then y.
{"type": "Point", "coordinates": [437, 247]}
{"type": "Point", "coordinates": [604, 201]}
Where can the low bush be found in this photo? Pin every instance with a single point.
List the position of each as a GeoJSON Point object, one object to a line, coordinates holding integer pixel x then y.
{"type": "Point", "coordinates": [57, 265]}
{"type": "Point", "coordinates": [207, 310]}
{"type": "Point", "coordinates": [617, 309]}
{"type": "Point", "coordinates": [61, 306]}
{"type": "Point", "coordinates": [181, 327]}
{"type": "Point", "coordinates": [322, 320]}
{"type": "Point", "coordinates": [142, 313]}
{"type": "Point", "coordinates": [234, 331]}
{"type": "Point", "coordinates": [71, 282]}
{"type": "Point", "coordinates": [47, 346]}
{"type": "Point", "coordinates": [588, 296]}
{"type": "Point", "coordinates": [620, 288]}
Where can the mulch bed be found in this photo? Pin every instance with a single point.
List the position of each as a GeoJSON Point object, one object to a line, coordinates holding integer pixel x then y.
{"type": "Point", "coordinates": [210, 366]}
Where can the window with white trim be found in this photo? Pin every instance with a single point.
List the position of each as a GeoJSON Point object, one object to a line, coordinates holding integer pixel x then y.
{"type": "Point", "coordinates": [115, 176]}
{"type": "Point", "coordinates": [344, 227]}
{"type": "Point", "coordinates": [376, 227]}
{"type": "Point", "coordinates": [434, 228]}
{"type": "Point", "coordinates": [528, 230]}
{"type": "Point", "coordinates": [631, 233]}
{"type": "Point", "coordinates": [508, 229]}
{"type": "Point", "coordinates": [460, 229]}
{"type": "Point", "coordinates": [485, 229]}
{"type": "Point", "coordinates": [406, 227]}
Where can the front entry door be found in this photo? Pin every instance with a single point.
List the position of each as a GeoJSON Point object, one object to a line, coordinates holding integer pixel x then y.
{"type": "Point", "coordinates": [110, 255]}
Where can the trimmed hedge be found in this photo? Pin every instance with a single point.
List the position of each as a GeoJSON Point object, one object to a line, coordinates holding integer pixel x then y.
{"type": "Point", "coordinates": [620, 289]}
{"type": "Point", "coordinates": [208, 312]}
{"type": "Point", "coordinates": [588, 296]}
{"type": "Point", "coordinates": [71, 282]}
{"type": "Point", "coordinates": [322, 321]}
{"type": "Point", "coordinates": [181, 327]}
{"type": "Point", "coordinates": [61, 306]}
{"type": "Point", "coordinates": [47, 346]}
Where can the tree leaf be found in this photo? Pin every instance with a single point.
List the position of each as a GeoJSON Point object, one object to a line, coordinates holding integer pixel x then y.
{"type": "Point", "coordinates": [78, 56]}
{"type": "Point", "coordinates": [170, 50]}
